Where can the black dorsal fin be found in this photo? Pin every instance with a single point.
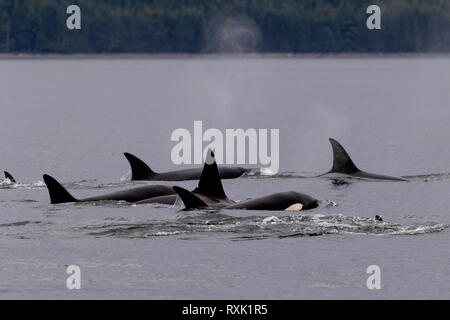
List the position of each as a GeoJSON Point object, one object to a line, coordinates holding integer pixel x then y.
{"type": "Point", "coordinates": [210, 184]}
{"type": "Point", "coordinates": [139, 170]}
{"type": "Point", "coordinates": [58, 194]}
{"type": "Point", "coordinates": [9, 176]}
{"type": "Point", "coordinates": [190, 200]}
{"type": "Point", "coordinates": [342, 162]}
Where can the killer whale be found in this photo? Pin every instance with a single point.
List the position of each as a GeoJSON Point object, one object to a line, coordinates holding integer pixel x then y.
{"type": "Point", "coordinates": [216, 197]}
{"type": "Point", "coordinates": [288, 201]}
{"type": "Point", "coordinates": [343, 166]}
{"type": "Point", "coordinates": [281, 201]}
{"type": "Point", "coordinates": [141, 171]}
{"type": "Point", "coordinates": [209, 187]}
{"type": "Point", "coordinates": [9, 176]}
{"type": "Point", "coordinates": [58, 194]}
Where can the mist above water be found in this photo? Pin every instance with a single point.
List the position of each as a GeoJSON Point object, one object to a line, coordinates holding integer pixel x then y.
{"type": "Point", "coordinates": [235, 34]}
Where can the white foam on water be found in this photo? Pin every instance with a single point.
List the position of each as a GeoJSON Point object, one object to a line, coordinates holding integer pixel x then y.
{"type": "Point", "coordinates": [271, 220]}
{"type": "Point", "coordinates": [8, 184]}
{"type": "Point", "coordinates": [126, 176]}
{"type": "Point", "coordinates": [165, 233]}
{"type": "Point", "coordinates": [267, 172]}
{"type": "Point", "coordinates": [420, 229]}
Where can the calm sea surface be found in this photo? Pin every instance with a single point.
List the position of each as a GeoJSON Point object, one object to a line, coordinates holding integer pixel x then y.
{"type": "Point", "coordinates": [74, 118]}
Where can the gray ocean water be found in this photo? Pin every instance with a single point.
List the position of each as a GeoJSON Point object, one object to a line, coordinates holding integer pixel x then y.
{"type": "Point", "coordinates": [74, 118]}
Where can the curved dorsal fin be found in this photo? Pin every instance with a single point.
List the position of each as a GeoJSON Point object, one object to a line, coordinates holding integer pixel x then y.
{"type": "Point", "coordinates": [342, 162]}
{"type": "Point", "coordinates": [139, 170]}
{"type": "Point", "coordinates": [9, 176]}
{"type": "Point", "coordinates": [58, 194]}
{"type": "Point", "coordinates": [210, 184]}
{"type": "Point", "coordinates": [190, 200]}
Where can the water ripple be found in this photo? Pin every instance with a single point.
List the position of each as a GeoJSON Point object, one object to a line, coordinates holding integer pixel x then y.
{"type": "Point", "coordinates": [257, 227]}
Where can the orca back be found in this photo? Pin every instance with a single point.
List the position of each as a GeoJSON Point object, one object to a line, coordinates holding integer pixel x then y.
{"type": "Point", "coordinates": [139, 169]}
{"type": "Point", "coordinates": [58, 194]}
{"type": "Point", "coordinates": [9, 176]}
{"type": "Point", "coordinates": [210, 184]}
{"type": "Point", "coordinates": [342, 163]}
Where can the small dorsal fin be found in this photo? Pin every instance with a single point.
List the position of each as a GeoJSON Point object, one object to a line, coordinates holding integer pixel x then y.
{"type": "Point", "coordinates": [210, 184]}
{"type": "Point", "coordinates": [9, 176]}
{"type": "Point", "coordinates": [342, 162]}
{"type": "Point", "coordinates": [58, 194]}
{"type": "Point", "coordinates": [190, 200]}
{"type": "Point", "coordinates": [139, 169]}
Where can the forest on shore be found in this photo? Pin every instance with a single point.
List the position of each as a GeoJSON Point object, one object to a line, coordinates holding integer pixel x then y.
{"type": "Point", "coordinates": [224, 26]}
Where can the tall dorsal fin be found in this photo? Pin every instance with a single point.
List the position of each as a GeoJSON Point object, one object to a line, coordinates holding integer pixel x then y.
{"type": "Point", "coordinates": [342, 162]}
{"type": "Point", "coordinates": [139, 170]}
{"type": "Point", "coordinates": [58, 194]}
{"type": "Point", "coordinates": [190, 200]}
{"type": "Point", "coordinates": [210, 184]}
{"type": "Point", "coordinates": [10, 177]}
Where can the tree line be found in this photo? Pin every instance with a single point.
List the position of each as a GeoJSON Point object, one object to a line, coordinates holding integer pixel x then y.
{"type": "Point", "coordinates": [208, 26]}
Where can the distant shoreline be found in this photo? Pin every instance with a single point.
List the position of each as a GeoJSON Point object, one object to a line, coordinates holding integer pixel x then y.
{"type": "Point", "coordinates": [6, 56]}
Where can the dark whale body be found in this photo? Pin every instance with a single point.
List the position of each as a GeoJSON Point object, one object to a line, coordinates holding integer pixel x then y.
{"type": "Point", "coordinates": [343, 166]}
{"type": "Point", "coordinates": [58, 194]}
{"type": "Point", "coordinates": [169, 200]}
{"type": "Point", "coordinates": [209, 188]}
{"type": "Point", "coordinates": [215, 196]}
{"type": "Point", "coordinates": [141, 171]}
{"type": "Point", "coordinates": [278, 201]}
{"type": "Point", "coordinates": [10, 177]}
{"type": "Point", "coordinates": [274, 202]}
